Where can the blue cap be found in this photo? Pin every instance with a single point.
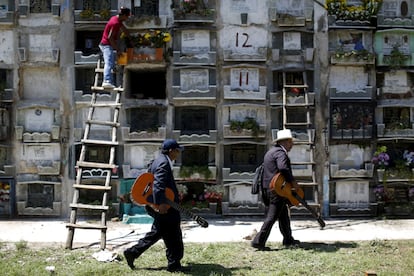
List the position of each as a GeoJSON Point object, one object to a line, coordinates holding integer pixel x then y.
{"type": "Point", "coordinates": [169, 144]}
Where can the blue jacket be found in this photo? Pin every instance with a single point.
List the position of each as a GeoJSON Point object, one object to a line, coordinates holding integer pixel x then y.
{"type": "Point", "coordinates": [163, 178]}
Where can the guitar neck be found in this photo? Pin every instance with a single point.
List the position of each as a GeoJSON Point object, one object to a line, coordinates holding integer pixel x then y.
{"type": "Point", "coordinates": [310, 209]}
{"type": "Point", "coordinates": [201, 221]}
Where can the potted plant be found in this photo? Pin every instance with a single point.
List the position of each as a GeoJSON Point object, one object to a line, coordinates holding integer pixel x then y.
{"type": "Point", "coordinates": [158, 40]}
{"type": "Point", "coordinates": [249, 123]}
{"type": "Point", "coordinates": [396, 59]}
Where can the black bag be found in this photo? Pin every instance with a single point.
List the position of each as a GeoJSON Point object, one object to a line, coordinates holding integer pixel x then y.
{"type": "Point", "coordinates": [257, 183]}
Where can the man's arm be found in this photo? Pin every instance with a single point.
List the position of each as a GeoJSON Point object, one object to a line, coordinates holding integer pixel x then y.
{"type": "Point", "coordinates": [160, 178]}
{"type": "Point", "coordinates": [285, 169]}
{"type": "Point", "coordinates": [112, 40]}
{"type": "Point", "coordinates": [124, 30]}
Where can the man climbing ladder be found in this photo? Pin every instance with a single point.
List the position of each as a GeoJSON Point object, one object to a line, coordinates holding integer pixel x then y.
{"type": "Point", "coordinates": [109, 44]}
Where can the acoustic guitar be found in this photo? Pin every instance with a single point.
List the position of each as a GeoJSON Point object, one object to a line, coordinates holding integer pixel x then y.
{"type": "Point", "coordinates": [295, 197]}
{"type": "Point", "coordinates": [141, 194]}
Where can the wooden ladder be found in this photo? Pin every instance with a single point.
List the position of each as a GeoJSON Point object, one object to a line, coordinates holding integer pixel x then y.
{"type": "Point", "coordinates": [302, 123]}
{"type": "Point", "coordinates": [107, 168]}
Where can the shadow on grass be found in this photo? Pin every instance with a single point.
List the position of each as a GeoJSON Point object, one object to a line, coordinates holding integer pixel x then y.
{"type": "Point", "coordinates": [197, 269]}
{"type": "Point", "coordinates": [323, 247]}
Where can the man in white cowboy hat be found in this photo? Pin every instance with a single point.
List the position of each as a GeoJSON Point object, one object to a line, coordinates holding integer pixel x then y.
{"type": "Point", "coordinates": [277, 160]}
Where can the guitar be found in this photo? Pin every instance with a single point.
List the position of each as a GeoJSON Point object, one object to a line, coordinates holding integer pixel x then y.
{"type": "Point", "coordinates": [295, 197]}
{"type": "Point", "coordinates": [141, 194]}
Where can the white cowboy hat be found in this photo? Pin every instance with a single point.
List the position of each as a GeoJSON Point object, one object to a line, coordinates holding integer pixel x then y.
{"type": "Point", "coordinates": [283, 135]}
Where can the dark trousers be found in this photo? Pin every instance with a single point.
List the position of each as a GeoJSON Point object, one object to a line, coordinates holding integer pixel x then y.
{"type": "Point", "coordinates": [276, 210]}
{"type": "Point", "coordinates": [168, 228]}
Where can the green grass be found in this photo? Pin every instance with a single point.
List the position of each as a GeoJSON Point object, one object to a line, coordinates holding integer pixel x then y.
{"type": "Point", "coordinates": [341, 258]}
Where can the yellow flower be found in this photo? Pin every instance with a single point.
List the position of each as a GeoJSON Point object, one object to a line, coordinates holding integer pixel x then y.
{"type": "Point", "coordinates": [167, 37]}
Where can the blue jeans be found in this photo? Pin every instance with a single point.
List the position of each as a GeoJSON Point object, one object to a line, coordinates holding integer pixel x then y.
{"type": "Point", "coordinates": [109, 60]}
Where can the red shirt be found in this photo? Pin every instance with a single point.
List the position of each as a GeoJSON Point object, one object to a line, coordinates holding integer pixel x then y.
{"type": "Point", "coordinates": [113, 25]}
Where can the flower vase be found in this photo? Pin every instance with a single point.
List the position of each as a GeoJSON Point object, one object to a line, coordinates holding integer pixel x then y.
{"type": "Point", "coordinates": [159, 54]}
{"type": "Point", "coordinates": [381, 174]}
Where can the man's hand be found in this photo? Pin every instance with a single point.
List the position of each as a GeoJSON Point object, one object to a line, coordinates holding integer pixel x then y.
{"type": "Point", "coordinates": [295, 185]}
{"type": "Point", "coordinates": [163, 208]}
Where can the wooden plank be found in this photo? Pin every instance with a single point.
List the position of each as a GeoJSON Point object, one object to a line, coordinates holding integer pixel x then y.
{"type": "Point", "coordinates": [92, 187]}
{"type": "Point", "coordinates": [96, 165]}
{"type": "Point", "coordinates": [87, 226]}
{"type": "Point", "coordinates": [89, 206]}
{"type": "Point", "coordinates": [100, 142]}
{"type": "Point", "coordinates": [103, 123]}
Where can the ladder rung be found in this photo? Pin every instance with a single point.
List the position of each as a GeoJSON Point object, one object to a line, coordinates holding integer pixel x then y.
{"type": "Point", "coordinates": [89, 206]}
{"type": "Point", "coordinates": [299, 104]}
{"type": "Point", "coordinates": [296, 85]}
{"type": "Point", "coordinates": [307, 183]}
{"type": "Point", "coordinates": [302, 163]}
{"type": "Point", "coordinates": [99, 70]}
{"type": "Point", "coordinates": [103, 123]}
{"type": "Point", "coordinates": [100, 88]}
{"type": "Point", "coordinates": [86, 164]}
{"type": "Point", "coordinates": [92, 187]}
{"type": "Point", "coordinates": [99, 142]}
{"type": "Point", "coordinates": [87, 226]}
{"type": "Point", "coordinates": [117, 105]}
{"type": "Point", "coordinates": [298, 124]}
{"type": "Point", "coordinates": [302, 142]}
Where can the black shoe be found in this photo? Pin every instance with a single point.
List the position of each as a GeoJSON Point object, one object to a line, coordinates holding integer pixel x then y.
{"type": "Point", "coordinates": [291, 242]}
{"type": "Point", "coordinates": [130, 259]}
{"type": "Point", "coordinates": [260, 247]}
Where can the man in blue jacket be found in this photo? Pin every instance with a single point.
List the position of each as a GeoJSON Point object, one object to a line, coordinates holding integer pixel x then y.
{"type": "Point", "coordinates": [167, 221]}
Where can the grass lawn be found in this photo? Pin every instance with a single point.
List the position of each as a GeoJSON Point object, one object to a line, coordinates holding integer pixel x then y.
{"type": "Point", "coordinates": [383, 257]}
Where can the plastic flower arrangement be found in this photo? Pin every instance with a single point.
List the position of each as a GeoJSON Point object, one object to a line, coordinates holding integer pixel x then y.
{"type": "Point", "coordinates": [189, 6]}
{"type": "Point", "coordinates": [342, 11]}
{"type": "Point", "coordinates": [379, 193]}
{"type": "Point", "coordinates": [408, 157]}
{"type": "Point", "coordinates": [382, 194]}
{"type": "Point", "coordinates": [182, 191]}
{"type": "Point", "coordinates": [381, 158]}
{"type": "Point", "coordinates": [158, 38]}
{"type": "Point", "coordinates": [155, 39]}
{"type": "Point", "coordinates": [213, 193]}
{"type": "Point", "coordinates": [135, 40]}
